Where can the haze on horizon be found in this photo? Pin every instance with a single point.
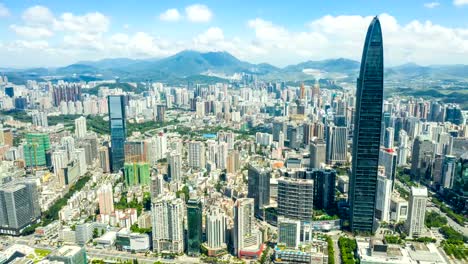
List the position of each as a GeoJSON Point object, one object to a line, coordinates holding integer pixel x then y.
{"type": "Point", "coordinates": [49, 34]}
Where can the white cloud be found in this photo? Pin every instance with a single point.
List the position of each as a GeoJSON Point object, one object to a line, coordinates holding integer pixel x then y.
{"type": "Point", "coordinates": [38, 16]}
{"type": "Point", "coordinates": [198, 13]}
{"type": "Point", "coordinates": [31, 32]}
{"type": "Point", "coordinates": [213, 34]}
{"type": "Point", "coordinates": [431, 5]}
{"type": "Point", "coordinates": [91, 23]}
{"type": "Point", "coordinates": [460, 2]}
{"type": "Point", "coordinates": [170, 15]}
{"type": "Point", "coordinates": [4, 11]}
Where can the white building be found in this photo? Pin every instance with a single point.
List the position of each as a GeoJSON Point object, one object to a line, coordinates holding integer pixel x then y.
{"type": "Point", "coordinates": [417, 210]}
{"type": "Point", "coordinates": [383, 198]}
{"type": "Point", "coordinates": [247, 237]}
{"type": "Point", "coordinates": [168, 224]}
{"type": "Point", "coordinates": [80, 127]}
{"type": "Point", "coordinates": [174, 166]}
{"type": "Point", "coordinates": [216, 228]}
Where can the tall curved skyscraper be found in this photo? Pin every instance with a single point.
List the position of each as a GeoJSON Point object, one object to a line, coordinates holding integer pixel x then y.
{"type": "Point", "coordinates": [367, 125]}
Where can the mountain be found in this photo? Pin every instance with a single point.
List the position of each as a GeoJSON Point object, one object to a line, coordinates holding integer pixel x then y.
{"type": "Point", "coordinates": [205, 67]}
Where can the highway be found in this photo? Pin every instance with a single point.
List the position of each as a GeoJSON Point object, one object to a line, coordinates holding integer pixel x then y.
{"type": "Point", "coordinates": [450, 222]}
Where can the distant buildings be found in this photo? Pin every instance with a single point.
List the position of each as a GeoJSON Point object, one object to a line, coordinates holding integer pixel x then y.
{"type": "Point", "coordinates": [317, 153]}
{"type": "Point", "coordinates": [367, 132]}
{"type": "Point", "coordinates": [106, 199]}
{"type": "Point", "coordinates": [196, 154]}
{"type": "Point", "coordinates": [137, 173]}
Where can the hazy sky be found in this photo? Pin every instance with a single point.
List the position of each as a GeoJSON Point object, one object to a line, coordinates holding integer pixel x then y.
{"type": "Point", "coordinates": [57, 32]}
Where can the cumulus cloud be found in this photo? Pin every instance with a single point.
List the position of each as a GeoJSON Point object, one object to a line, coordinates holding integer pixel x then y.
{"type": "Point", "coordinates": [4, 11]}
{"type": "Point", "coordinates": [87, 36]}
{"type": "Point", "coordinates": [460, 2]}
{"type": "Point", "coordinates": [198, 13]}
{"type": "Point", "coordinates": [170, 15]}
{"type": "Point", "coordinates": [431, 5]}
{"type": "Point", "coordinates": [32, 32]}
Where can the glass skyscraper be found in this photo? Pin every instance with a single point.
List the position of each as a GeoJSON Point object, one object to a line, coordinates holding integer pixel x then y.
{"type": "Point", "coordinates": [194, 223]}
{"type": "Point", "coordinates": [367, 126]}
{"type": "Point", "coordinates": [116, 106]}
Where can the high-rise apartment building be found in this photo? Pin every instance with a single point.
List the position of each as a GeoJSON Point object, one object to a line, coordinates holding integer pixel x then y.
{"type": "Point", "coordinates": [216, 229]}
{"type": "Point", "coordinates": [174, 166]}
{"type": "Point", "coordinates": [168, 224]}
{"type": "Point", "coordinates": [421, 158]}
{"type": "Point", "coordinates": [35, 149]}
{"type": "Point", "coordinates": [247, 237]}
{"type": "Point", "coordinates": [106, 199]}
{"type": "Point", "coordinates": [367, 132]}
{"type": "Point", "coordinates": [196, 154]}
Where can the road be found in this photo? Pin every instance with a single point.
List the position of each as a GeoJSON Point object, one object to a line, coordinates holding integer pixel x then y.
{"type": "Point", "coordinates": [116, 255]}
{"type": "Point", "coordinates": [450, 222]}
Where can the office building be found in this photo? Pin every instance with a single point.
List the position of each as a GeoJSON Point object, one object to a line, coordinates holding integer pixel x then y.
{"type": "Point", "coordinates": [336, 144]}
{"type": "Point", "coordinates": [194, 226]}
{"type": "Point", "coordinates": [448, 171]}
{"type": "Point", "coordinates": [389, 137]}
{"type": "Point", "coordinates": [417, 210]}
{"type": "Point", "coordinates": [19, 206]}
{"type": "Point", "coordinates": [324, 188]}
{"type": "Point", "coordinates": [383, 197]}
{"type": "Point", "coordinates": [289, 232]}
{"type": "Point", "coordinates": [317, 153]}
{"type": "Point", "coordinates": [295, 198]}
{"type": "Point", "coordinates": [259, 187]}
{"type": "Point", "coordinates": [168, 224]}
{"type": "Point", "coordinates": [104, 163]}
{"type": "Point", "coordinates": [118, 132]}
{"type": "Point", "coordinates": [403, 148]}
{"type": "Point", "coordinates": [421, 158]}
{"type": "Point", "coordinates": [388, 159]}
{"type": "Point", "coordinates": [367, 126]}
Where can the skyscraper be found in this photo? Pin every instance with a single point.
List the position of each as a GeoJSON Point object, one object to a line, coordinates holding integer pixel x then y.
{"type": "Point", "coordinates": [116, 108]}
{"type": "Point", "coordinates": [35, 149]}
{"type": "Point", "coordinates": [216, 228]}
{"type": "Point", "coordinates": [168, 224]}
{"type": "Point", "coordinates": [337, 144]}
{"type": "Point", "coordinates": [247, 237]}
{"type": "Point", "coordinates": [367, 126]}
{"type": "Point", "coordinates": [196, 154]}
{"type": "Point", "coordinates": [259, 187]}
{"type": "Point", "coordinates": [194, 226]}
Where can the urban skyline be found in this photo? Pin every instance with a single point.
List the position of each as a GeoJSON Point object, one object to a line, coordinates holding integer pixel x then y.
{"type": "Point", "coordinates": [201, 157]}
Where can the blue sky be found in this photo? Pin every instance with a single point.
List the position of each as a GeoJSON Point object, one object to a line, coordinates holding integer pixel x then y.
{"type": "Point", "coordinates": [53, 33]}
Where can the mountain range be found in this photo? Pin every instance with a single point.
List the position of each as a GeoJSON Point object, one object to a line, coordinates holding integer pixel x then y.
{"type": "Point", "coordinates": [216, 66]}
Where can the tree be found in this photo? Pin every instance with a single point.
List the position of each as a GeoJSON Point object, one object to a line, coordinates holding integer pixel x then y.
{"type": "Point", "coordinates": [95, 233]}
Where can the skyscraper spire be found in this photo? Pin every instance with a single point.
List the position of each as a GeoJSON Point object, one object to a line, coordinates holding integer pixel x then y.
{"type": "Point", "coordinates": [367, 126]}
